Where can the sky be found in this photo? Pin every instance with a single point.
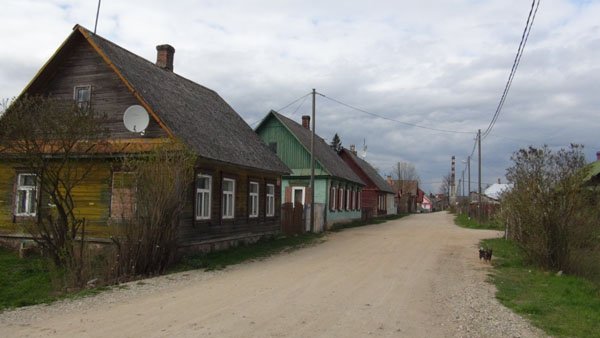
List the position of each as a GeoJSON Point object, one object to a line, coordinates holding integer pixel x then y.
{"type": "Point", "coordinates": [438, 64]}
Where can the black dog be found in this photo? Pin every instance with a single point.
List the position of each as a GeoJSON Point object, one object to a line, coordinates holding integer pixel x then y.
{"type": "Point", "coordinates": [486, 254]}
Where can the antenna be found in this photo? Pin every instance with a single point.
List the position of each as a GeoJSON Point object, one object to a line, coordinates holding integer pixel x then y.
{"type": "Point", "coordinates": [97, 14]}
{"type": "Point", "coordinates": [136, 119]}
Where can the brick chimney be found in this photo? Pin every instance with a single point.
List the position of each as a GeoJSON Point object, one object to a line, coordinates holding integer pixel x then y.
{"type": "Point", "coordinates": [306, 121]}
{"type": "Point", "coordinates": [164, 57]}
{"type": "Point", "coordinates": [598, 156]}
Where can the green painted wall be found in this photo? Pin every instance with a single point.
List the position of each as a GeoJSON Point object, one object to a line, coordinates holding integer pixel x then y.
{"type": "Point", "coordinates": [289, 149]}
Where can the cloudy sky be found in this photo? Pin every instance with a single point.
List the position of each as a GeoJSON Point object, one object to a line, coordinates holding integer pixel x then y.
{"type": "Point", "coordinates": [438, 64]}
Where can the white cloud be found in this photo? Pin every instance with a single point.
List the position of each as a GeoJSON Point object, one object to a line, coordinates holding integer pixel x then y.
{"type": "Point", "coordinates": [435, 63]}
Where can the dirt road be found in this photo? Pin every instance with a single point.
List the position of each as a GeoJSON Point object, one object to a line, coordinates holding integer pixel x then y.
{"type": "Point", "coordinates": [419, 276]}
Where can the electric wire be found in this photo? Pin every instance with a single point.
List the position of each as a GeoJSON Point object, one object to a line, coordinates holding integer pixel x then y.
{"type": "Point", "coordinates": [524, 38]}
{"type": "Point", "coordinates": [391, 119]}
{"type": "Point", "coordinates": [286, 106]}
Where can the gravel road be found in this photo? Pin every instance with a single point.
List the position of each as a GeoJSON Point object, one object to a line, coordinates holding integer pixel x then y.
{"type": "Point", "coordinates": [419, 276]}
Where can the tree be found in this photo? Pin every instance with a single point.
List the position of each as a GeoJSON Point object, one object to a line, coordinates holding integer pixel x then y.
{"type": "Point", "coordinates": [406, 171]}
{"type": "Point", "coordinates": [53, 140]}
{"type": "Point", "coordinates": [549, 213]}
{"type": "Point", "coordinates": [445, 185]}
{"type": "Point", "coordinates": [336, 143]}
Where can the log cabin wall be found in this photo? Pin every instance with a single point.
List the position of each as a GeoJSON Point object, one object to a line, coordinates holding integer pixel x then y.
{"type": "Point", "coordinates": [82, 66]}
{"type": "Point", "coordinates": [192, 230]}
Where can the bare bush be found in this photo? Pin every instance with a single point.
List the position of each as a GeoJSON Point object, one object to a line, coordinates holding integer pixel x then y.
{"type": "Point", "coordinates": [159, 183]}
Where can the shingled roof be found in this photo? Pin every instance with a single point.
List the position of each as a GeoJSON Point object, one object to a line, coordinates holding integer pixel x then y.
{"type": "Point", "coordinates": [327, 157]}
{"type": "Point", "coordinates": [186, 110]}
{"type": "Point", "coordinates": [371, 173]}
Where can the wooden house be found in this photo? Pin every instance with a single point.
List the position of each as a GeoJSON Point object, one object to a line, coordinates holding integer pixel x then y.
{"type": "Point", "coordinates": [338, 190]}
{"type": "Point", "coordinates": [377, 195]}
{"type": "Point", "coordinates": [407, 194]}
{"type": "Point", "coordinates": [237, 185]}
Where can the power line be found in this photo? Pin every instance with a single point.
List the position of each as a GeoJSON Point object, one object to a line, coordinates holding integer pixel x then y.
{"type": "Point", "coordinates": [394, 120]}
{"type": "Point", "coordinates": [284, 107]}
{"type": "Point", "coordinates": [524, 38]}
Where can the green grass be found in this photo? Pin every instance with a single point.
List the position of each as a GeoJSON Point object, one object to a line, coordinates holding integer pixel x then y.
{"type": "Point", "coordinates": [23, 281]}
{"type": "Point", "coordinates": [563, 306]}
{"type": "Point", "coordinates": [263, 248]}
{"type": "Point", "coordinates": [359, 223]}
{"type": "Point", "coordinates": [463, 220]}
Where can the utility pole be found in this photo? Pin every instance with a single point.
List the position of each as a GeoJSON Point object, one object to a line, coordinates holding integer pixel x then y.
{"type": "Point", "coordinates": [312, 165]}
{"type": "Point", "coordinates": [469, 183]}
{"type": "Point", "coordinates": [479, 173]}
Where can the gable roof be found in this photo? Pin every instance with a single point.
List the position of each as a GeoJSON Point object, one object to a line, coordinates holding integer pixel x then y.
{"type": "Point", "coordinates": [496, 190]}
{"type": "Point", "coordinates": [371, 173]}
{"type": "Point", "coordinates": [327, 157]}
{"type": "Point", "coordinates": [184, 109]}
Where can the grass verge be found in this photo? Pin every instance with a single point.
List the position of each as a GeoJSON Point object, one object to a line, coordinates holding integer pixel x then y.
{"type": "Point", "coordinates": [261, 249]}
{"type": "Point", "coordinates": [359, 223]}
{"type": "Point", "coordinates": [23, 281]}
{"type": "Point", "coordinates": [464, 221]}
{"type": "Point", "coordinates": [563, 306]}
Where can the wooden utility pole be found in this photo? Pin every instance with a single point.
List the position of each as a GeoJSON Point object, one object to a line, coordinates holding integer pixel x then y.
{"type": "Point", "coordinates": [312, 165]}
{"type": "Point", "coordinates": [479, 172]}
{"type": "Point", "coordinates": [469, 186]}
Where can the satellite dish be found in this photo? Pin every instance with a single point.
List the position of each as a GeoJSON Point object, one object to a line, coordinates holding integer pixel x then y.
{"type": "Point", "coordinates": [136, 119]}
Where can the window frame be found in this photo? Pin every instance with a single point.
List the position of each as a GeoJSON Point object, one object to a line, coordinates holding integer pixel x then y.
{"type": "Point", "coordinates": [303, 189]}
{"type": "Point", "coordinates": [224, 193]}
{"type": "Point", "coordinates": [341, 199]}
{"type": "Point", "coordinates": [253, 196]}
{"type": "Point", "coordinates": [333, 198]}
{"type": "Point", "coordinates": [347, 206]}
{"type": "Point", "coordinates": [27, 189]}
{"type": "Point", "coordinates": [200, 217]}
{"type": "Point", "coordinates": [82, 104]}
{"type": "Point", "coordinates": [270, 201]}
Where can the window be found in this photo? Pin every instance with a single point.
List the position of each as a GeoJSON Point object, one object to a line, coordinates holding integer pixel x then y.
{"type": "Point", "coordinates": [332, 196]}
{"type": "Point", "coordinates": [298, 195]}
{"type": "Point", "coordinates": [228, 198]}
{"type": "Point", "coordinates": [122, 199]}
{"type": "Point", "coordinates": [355, 201]}
{"type": "Point", "coordinates": [203, 196]}
{"type": "Point", "coordinates": [26, 195]}
{"type": "Point", "coordinates": [359, 193]}
{"type": "Point", "coordinates": [381, 205]}
{"type": "Point", "coordinates": [82, 96]}
{"type": "Point", "coordinates": [253, 199]}
{"type": "Point", "coordinates": [341, 199]}
{"type": "Point", "coordinates": [347, 206]}
{"type": "Point", "coordinates": [270, 200]}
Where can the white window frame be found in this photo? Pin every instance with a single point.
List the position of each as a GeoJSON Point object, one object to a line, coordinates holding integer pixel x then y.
{"type": "Point", "coordinates": [270, 205]}
{"type": "Point", "coordinates": [348, 199]}
{"type": "Point", "coordinates": [333, 198]}
{"type": "Point", "coordinates": [303, 189]}
{"type": "Point", "coordinates": [82, 104]}
{"type": "Point", "coordinates": [228, 208]}
{"type": "Point", "coordinates": [341, 199]}
{"type": "Point", "coordinates": [207, 195]}
{"type": "Point", "coordinates": [27, 190]}
{"type": "Point", "coordinates": [253, 196]}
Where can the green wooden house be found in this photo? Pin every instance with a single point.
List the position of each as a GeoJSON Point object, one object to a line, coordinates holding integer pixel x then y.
{"type": "Point", "coordinates": [337, 188]}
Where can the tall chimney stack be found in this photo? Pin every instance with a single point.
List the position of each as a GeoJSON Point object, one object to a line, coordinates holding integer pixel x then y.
{"type": "Point", "coordinates": [164, 57]}
{"type": "Point", "coordinates": [306, 121]}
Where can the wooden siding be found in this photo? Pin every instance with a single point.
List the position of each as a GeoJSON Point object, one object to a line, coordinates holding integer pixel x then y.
{"type": "Point", "coordinates": [91, 196]}
{"type": "Point", "coordinates": [83, 66]}
{"type": "Point", "coordinates": [194, 230]}
{"type": "Point", "coordinates": [289, 150]}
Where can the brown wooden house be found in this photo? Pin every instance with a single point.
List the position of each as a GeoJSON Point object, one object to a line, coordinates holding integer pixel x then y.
{"type": "Point", "coordinates": [236, 194]}
{"type": "Point", "coordinates": [377, 195]}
